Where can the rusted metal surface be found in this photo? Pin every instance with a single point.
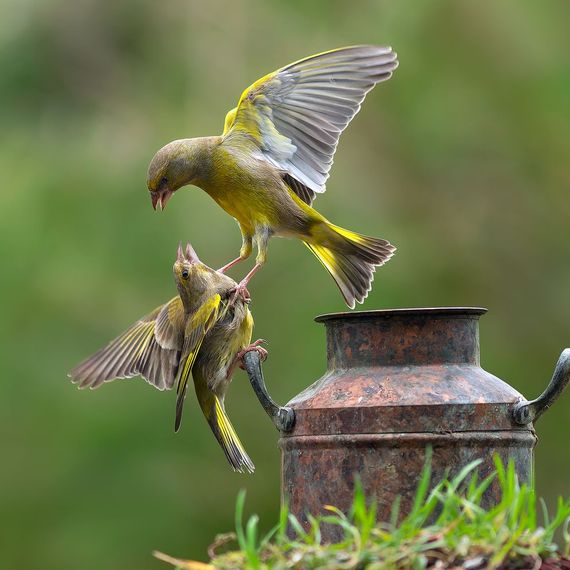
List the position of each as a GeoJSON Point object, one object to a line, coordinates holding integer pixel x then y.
{"type": "Point", "coordinates": [320, 470]}
{"type": "Point", "coordinates": [398, 381]}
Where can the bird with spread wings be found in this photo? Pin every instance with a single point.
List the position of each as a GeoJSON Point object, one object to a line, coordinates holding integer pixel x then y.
{"type": "Point", "coordinates": [202, 333]}
{"type": "Point", "coordinates": [275, 155]}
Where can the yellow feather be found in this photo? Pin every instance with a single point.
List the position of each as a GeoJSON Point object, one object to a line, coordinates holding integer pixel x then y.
{"type": "Point", "coordinates": [147, 339]}
{"type": "Point", "coordinates": [229, 121]}
{"type": "Point", "coordinates": [229, 437]}
{"type": "Point", "coordinates": [348, 234]}
{"type": "Point", "coordinates": [204, 318]}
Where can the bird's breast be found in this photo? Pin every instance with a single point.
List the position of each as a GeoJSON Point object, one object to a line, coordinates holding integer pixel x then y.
{"type": "Point", "coordinates": [221, 345]}
{"type": "Point", "coordinates": [244, 186]}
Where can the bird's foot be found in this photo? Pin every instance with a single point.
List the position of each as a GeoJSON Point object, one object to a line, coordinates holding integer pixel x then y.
{"type": "Point", "coordinates": [238, 358]}
{"type": "Point", "coordinates": [240, 291]}
{"type": "Point", "coordinates": [254, 346]}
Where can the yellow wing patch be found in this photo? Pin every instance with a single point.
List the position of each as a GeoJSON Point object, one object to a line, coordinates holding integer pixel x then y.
{"type": "Point", "coordinates": [296, 114]}
{"type": "Point", "coordinates": [198, 327]}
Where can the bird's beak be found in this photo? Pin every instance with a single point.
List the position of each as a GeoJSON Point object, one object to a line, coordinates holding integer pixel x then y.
{"type": "Point", "coordinates": [160, 198]}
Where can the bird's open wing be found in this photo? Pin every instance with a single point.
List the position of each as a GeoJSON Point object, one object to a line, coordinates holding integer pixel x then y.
{"type": "Point", "coordinates": [198, 326]}
{"type": "Point", "coordinates": [296, 114]}
{"type": "Point", "coordinates": [149, 348]}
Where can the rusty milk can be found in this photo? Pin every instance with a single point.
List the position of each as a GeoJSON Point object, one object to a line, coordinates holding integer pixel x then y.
{"type": "Point", "coordinates": [397, 382]}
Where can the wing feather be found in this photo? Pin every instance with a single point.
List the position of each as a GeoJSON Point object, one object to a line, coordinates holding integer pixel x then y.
{"type": "Point", "coordinates": [297, 114]}
{"type": "Point", "coordinates": [149, 348]}
{"type": "Point", "coordinates": [209, 313]}
{"type": "Point", "coordinates": [306, 194]}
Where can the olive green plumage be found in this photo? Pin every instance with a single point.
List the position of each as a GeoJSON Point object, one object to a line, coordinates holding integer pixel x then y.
{"type": "Point", "coordinates": [275, 155]}
{"type": "Point", "coordinates": [202, 331]}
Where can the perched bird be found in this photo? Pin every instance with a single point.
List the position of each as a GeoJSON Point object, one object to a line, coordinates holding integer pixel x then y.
{"type": "Point", "coordinates": [275, 155]}
{"type": "Point", "coordinates": [205, 330]}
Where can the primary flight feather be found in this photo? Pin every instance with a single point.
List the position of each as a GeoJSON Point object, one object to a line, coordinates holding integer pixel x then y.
{"type": "Point", "coordinates": [274, 156]}
{"type": "Point", "coordinates": [204, 331]}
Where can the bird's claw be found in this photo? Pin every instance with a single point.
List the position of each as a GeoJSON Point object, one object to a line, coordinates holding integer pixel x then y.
{"type": "Point", "coordinates": [254, 346]}
{"type": "Point", "coordinates": [240, 291]}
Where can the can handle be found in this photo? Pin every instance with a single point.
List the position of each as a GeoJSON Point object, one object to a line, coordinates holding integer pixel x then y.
{"type": "Point", "coordinates": [527, 412]}
{"type": "Point", "coordinates": [282, 417]}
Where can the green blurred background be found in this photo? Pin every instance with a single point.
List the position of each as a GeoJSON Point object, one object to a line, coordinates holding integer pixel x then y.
{"type": "Point", "coordinates": [461, 160]}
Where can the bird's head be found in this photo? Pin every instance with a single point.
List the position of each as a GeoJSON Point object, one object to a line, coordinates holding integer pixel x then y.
{"type": "Point", "coordinates": [186, 262]}
{"type": "Point", "coordinates": [191, 275]}
{"type": "Point", "coordinates": [172, 167]}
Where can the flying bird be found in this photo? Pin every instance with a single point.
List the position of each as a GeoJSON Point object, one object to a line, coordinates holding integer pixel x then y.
{"type": "Point", "coordinates": [274, 156]}
{"type": "Point", "coordinates": [204, 331]}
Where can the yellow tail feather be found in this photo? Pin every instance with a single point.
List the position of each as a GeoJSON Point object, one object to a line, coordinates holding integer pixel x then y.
{"type": "Point", "coordinates": [228, 439]}
{"type": "Point", "coordinates": [350, 258]}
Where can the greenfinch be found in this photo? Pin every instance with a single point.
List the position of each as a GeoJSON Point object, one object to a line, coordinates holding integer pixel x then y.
{"type": "Point", "coordinates": [274, 157]}
{"type": "Point", "coordinates": [205, 330]}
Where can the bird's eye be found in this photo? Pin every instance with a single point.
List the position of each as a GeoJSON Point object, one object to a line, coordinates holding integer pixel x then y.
{"type": "Point", "coordinates": [185, 274]}
{"type": "Point", "coordinates": [164, 180]}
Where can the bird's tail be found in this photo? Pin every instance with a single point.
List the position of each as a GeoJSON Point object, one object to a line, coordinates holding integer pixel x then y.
{"type": "Point", "coordinates": [227, 437]}
{"type": "Point", "coordinates": [350, 258]}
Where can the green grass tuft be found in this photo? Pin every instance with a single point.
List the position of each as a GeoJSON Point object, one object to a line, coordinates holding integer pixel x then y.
{"type": "Point", "coordinates": [447, 527]}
